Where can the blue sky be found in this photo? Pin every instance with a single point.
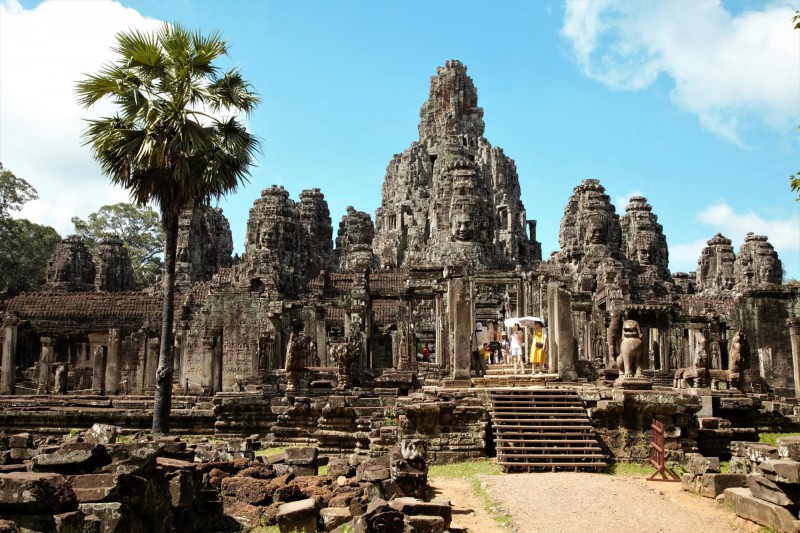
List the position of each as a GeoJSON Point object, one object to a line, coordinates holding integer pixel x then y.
{"type": "Point", "coordinates": [695, 105]}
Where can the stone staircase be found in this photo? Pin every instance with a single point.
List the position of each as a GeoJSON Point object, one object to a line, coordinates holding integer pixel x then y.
{"type": "Point", "coordinates": [543, 429]}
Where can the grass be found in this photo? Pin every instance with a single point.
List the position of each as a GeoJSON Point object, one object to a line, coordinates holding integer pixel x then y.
{"type": "Point", "coordinates": [772, 438]}
{"type": "Point", "coordinates": [637, 469]}
{"type": "Point", "coordinates": [269, 451]}
{"type": "Point", "coordinates": [471, 470]}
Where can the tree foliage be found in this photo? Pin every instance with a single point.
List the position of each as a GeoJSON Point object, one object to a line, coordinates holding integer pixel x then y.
{"type": "Point", "coordinates": [167, 143]}
{"type": "Point", "coordinates": [140, 231]}
{"type": "Point", "coordinates": [25, 247]}
{"type": "Point", "coordinates": [794, 179]}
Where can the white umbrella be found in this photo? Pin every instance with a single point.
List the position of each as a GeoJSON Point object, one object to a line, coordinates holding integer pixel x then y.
{"type": "Point", "coordinates": [524, 321]}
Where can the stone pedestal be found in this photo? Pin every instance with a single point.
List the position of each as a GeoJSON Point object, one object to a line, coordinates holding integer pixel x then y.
{"type": "Point", "coordinates": [112, 361]}
{"type": "Point", "coordinates": [99, 371]}
{"type": "Point", "coordinates": [45, 364]}
{"type": "Point", "coordinates": [633, 383]}
{"type": "Point", "coordinates": [8, 379]}
{"type": "Point", "coordinates": [151, 366]}
{"type": "Point", "coordinates": [60, 379]}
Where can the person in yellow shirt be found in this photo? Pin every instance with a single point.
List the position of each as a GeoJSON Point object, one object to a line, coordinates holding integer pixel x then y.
{"type": "Point", "coordinates": [538, 348]}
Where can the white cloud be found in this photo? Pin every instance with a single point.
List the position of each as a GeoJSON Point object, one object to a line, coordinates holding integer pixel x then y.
{"type": "Point", "coordinates": [731, 71]}
{"type": "Point", "coordinates": [784, 234]}
{"type": "Point", "coordinates": [43, 52]}
{"type": "Point", "coordinates": [621, 202]}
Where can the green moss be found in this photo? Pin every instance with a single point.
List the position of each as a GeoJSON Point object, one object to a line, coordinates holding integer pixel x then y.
{"type": "Point", "coordinates": [637, 469]}
{"type": "Point", "coordinates": [269, 451]}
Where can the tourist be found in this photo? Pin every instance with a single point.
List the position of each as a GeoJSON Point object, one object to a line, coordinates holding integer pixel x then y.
{"type": "Point", "coordinates": [538, 348]}
{"type": "Point", "coordinates": [517, 341]}
{"type": "Point", "coordinates": [426, 354]}
{"type": "Point", "coordinates": [478, 363]}
{"type": "Point", "coordinates": [505, 349]}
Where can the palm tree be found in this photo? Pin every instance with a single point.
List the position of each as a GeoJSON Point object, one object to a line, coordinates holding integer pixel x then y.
{"type": "Point", "coordinates": [168, 144]}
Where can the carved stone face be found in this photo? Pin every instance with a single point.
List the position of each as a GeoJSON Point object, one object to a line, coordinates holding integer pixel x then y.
{"type": "Point", "coordinates": [644, 255]}
{"type": "Point", "coordinates": [596, 233]}
{"type": "Point", "coordinates": [463, 229]}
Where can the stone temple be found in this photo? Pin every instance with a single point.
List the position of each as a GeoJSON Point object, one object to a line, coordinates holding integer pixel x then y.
{"type": "Point", "coordinates": [311, 338]}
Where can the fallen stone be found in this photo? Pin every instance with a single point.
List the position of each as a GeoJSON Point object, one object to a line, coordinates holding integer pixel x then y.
{"type": "Point", "coordinates": [688, 482]}
{"type": "Point", "coordinates": [764, 489]}
{"type": "Point", "coordinates": [699, 465]}
{"type": "Point", "coordinates": [78, 458]}
{"type": "Point", "coordinates": [761, 512]}
{"type": "Point", "coordinates": [426, 524]}
{"type": "Point", "coordinates": [184, 488]}
{"type": "Point", "coordinates": [101, 434]}
{"type": "Point", "coordinates": [301, 456]}
{"type": "Point", "coordinates": [32, 493]}
{"type": "Point", "coordinates": [715, 484]}
{"type": "Point", "coordinates": [414, 507]}
{"type": "Point", "coordinates": [300, 516]}
{"type": "Point", "coordinates": [381, 516]}
{"type": "Point", "coordinates": [303, 470]}
{"type": "Point", "coordinates": [90, 488]}
{"type": "Point", "coordinates": [135, 458]}
{"type": "Point", "coordinates": [249, 490]}
{"type": "Point", "coordinates": [8, 526]}
{"type": "Point", "coordinates": [20, 440]}
{"type": "Point", "coordinates": [115, 517]}
{"type": "Point", "coordinates": [375, 473]}
{"type": "Point", "coordinates": [781, 470]}
{"type": "Point", "coordinates": [708, 422]}
{"type": "Point", "coordinates": [333, 517]}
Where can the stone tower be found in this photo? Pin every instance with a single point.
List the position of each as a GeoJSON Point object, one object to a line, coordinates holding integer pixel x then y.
{"type": "Point", "coordinates": [590, 234]}
{"type": "Point", "coordinates": [715, 266]}
{"type": "Point", "coordinates": [354, 241]}
{"type": "Point", "coordinates": [70, 268]}
{"type": "Point", "coordinates": [451, 198]}
{"type": "Point", "coordinates": [274, 256]}
{"type": "Point", "coordinates": [315, 219]}
{"type": "Point", "coordinates": [114, 272]}
{"type": "Point", "coordinates": [644, 246]}
{"type": "Point", "coordinates": [205, 245]}
{"type": "Point", "coordinates": [757, 263]}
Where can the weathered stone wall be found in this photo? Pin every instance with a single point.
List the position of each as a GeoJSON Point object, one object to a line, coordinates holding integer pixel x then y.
{"type": "Point", "coordinates": [114, 272]}
{"type": "Point", "coordinates": [70, 268]}
{"type": "Point", "coordinates": [205, 245]}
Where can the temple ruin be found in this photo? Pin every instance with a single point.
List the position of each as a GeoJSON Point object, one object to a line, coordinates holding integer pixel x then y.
{"type": "Point", "coordinates": [316, 339]}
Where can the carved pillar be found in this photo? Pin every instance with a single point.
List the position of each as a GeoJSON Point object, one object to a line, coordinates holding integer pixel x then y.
{"type": "Point", "coordinates": [460, 307]}
{"type": "Point", "coordinates": [8, 379]}
{"type": "Point", "coordinates": [405, 335]}
{"type": "Point", "coordinates": [441, 333]}
{"type": "Point", "coordinates": [99, 371]}
{"type": "Point", "coordinates": [217, 365]}
{"type": "Point", "coordinates": [151, 364]}
{"type": "Point", "coordinates": [45, 363]}
{"type": "Point", "coordinates": [207, 379]}
{"type": "Point", "coordinates": [794, 334]}
{"type": "Point", "coordinates": [562, 333]}
{"type": "Point", "coordinates": [112, 361]}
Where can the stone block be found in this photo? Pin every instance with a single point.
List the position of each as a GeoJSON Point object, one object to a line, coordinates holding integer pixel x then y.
{"type": "Point", "coordinates": [22, 454]}
{"type": "Point", "coordinates": [8, 526]}
{"type": "Point", "coordinates": [298, 517]}
{"type": "Point", "coordinates": [709, 422]}
{"type": "Point", "coordinates": [333, 517]}
{"type": "Point", "coordinates": [20, 440]}
{"type": "Point", "coordinates": [102, 434]}
{"type": "Point", "coordinates": [32, 493]}
{"type": "Point", "coordinates": [761, 512]}
{"type": "Point", "coordinates": [374, 473]}
{"type": "Point", "coordinates": [789, 448]}
{"type": "Point", "coordinates": [184, 488]}
{"type": "Point", "coordinates": [764, 489]}
{"type": "Point", "coordinates": [715, 484]}
{"type": "Point", "coordinates": [413, 507]}
{"type": "Point", "coordinates": [249, 490]}
{"type": "Point", "coordinates": [115, 517]}
{"type": "Point", "coordinates": [98, 487]}
{"type": "Point", "coordinates": [303, 470]}
{"type": "Point", "coordinates": [699, 465]}
{"type": "Point", "coordinates": [301, 456]}
{"type": "Point", "coordinates": [781, 470]}
{"type": "Point", "coordinates": [691, 482]}
{"type": "Point", "coordinates": [75, 522]}
{"type": "Point", "coordinates": [135, 458]}
{"type": "Point", "coordinates": [76, 458]}
{"type": "Point", "coordinates": [32, 523]}
{"type": "Point", "coordinates": [426, 524]}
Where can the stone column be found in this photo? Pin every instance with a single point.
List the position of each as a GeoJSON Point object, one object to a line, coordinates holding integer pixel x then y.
{"type": "Point", "coordinates": [794, 335]}
{"type": "Point", "coordinates": [45, 363]}
{"type": "Point", "coordinates": [562, 332]}
{"type": "Point", "coordinates": [460, 306]}
{"type": "Point", "coordinates": [99, 371]}
{"type": "Point", "coordinates": [441, 320]}
{"type": "Point", "coordinates": [217, 383]}
{"type": "Point", "coordinates": [112, 377]}
{"type": "Point", "coordinates": [151, 363]}
{"type": "Point", "coordinates": [8, 379]}
{"type": "Point", "coordinates": [207, 379]}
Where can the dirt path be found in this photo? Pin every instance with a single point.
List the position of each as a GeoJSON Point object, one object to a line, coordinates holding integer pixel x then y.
{"type": "Point", "coordinates": [587, 502]}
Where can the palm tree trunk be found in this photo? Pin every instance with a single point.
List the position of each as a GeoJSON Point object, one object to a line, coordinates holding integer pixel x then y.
{"type": "Point", "coordinates": [163, 396]}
